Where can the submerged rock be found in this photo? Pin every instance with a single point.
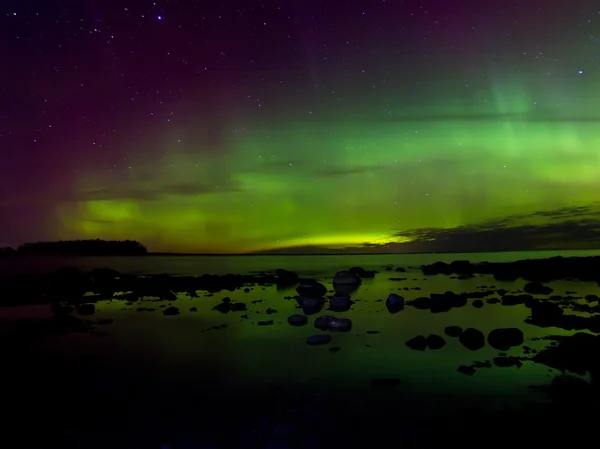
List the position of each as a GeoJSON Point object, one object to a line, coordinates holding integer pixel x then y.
{"type": "Point", "coordinates": [297, 320]}
{"type": "Point", "coordinates": [319, 339]}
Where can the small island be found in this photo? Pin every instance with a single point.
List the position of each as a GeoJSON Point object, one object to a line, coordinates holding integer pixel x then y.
{"type": "Point", "coordinates": [95, 247]}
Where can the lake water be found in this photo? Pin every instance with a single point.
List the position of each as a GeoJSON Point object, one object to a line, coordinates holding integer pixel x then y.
{"type": "Point", "coordinates": [305, 265]}
{"type": "Point", "coordinates": [149, 357]}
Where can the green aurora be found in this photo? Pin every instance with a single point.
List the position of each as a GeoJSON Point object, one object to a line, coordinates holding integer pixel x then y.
{"type": "Point", "coordinates": [364, 185]}
{"type": "Point", "coordinates": [294, 128]}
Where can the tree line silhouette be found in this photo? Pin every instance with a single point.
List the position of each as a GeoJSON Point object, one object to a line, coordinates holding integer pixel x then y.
{"type": "Point", "coordinates": [95, 247]}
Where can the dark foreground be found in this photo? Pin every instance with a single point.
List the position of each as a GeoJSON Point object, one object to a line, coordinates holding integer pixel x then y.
{"type": "Point", "coordinates": [51, 400]}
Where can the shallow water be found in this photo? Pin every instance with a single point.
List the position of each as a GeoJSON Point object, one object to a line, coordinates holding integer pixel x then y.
{"type": "Point", "coordinates": [147, 352]}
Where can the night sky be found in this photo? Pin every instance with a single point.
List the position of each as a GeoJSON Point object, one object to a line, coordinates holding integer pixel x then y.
{"type": "Point", "coordinates": [301, 125]}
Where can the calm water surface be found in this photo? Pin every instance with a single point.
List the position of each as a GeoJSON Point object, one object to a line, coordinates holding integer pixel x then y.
{"type": "Point", "coordinates": [321, 265]}
{"type": "Point", "coordinates": [173, 353]}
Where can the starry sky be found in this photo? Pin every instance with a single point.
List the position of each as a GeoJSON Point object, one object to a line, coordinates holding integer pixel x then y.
{"type": "Point", "coordinates": [302, 125]}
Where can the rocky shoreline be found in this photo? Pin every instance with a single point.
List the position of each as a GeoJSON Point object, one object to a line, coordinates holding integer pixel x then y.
{"type": "Point", "coordinates": [72, 295]}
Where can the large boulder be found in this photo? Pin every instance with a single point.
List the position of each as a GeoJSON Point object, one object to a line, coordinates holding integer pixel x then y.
{"type": "Point", "coordinates": [505, 338]}
{"type": "Point", "coordinates": [286, 277]}
{"type": "Point", "coordinates": [311, 289]}
{"type": "Point", "coordinates": [340, 303]}
{"type": "Point", "coordinates": [394, 303]}
{"type": "Point", "coordinates": [472, 339]}
{"type": "Point", "coordinates": [346, 278]}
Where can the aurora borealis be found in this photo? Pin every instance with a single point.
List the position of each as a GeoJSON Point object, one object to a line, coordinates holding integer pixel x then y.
{"type": "Point", "coordinates": [303, 126]}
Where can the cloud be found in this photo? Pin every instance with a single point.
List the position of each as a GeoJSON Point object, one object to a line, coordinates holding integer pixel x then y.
{"type": "Point", "coordinates": [308, 169]}
{"type": "Point", "coordinates": [576, 227]}
{"type": "Point", "coordinates": [152, 192]}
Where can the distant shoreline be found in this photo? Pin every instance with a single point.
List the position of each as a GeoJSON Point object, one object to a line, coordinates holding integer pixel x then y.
{"type": "Point", "coordinates": [352, 254]}
{"type": "Point", "coordinates": [18, 254]}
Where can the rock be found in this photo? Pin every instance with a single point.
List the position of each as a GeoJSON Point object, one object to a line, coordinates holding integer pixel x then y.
{"type": "Point", "coordinates": [310, 306]}
{"type": "Point", "coordinates": [86, 309]}
{"type": "Point", "coordinates": [319, 339]}
{"type": "Point", "coordinates": [436, 268]}
{"type": "Point", "coordinates": [577, 353]}
{"type": "Point", "coordinates": [286, 277]}
{"type": "Point", "coordinates": [535, 288]}
{"type": "Point", "coordinates": [545, 313]}
{"type": "Point", "coordinates": [472, 339]}
{"type": "Point", "coordinates": [478, 303]}
{"type": "Point", "coordinates": [171, 311]}
{"type": "Point", "coordinates": [418, 343]}
{"type": "Point", "coordinates": [227, 305]}
{"type": "Point", "coordinates": [401, 270]}
{"type": "Point", "coordinates": [333, 324]}
{"type": "Point", "coordinates": [394, 303]}
{"type": "Point", "coordinates": [362, 273]}
{"type": "Point", "coordinates": [512, 300]}
{"type": "Point", "coordinates": [297, 320]}
{"type": "Point", "coordinates": [507, 361]}
{"type": "Point", "coordinates": [346, 278]}
{"type": "Point", "coordinates": [340, 303]}
{"type": "Point", "coordinates": [307, 302]}
{"type": "Point", "coordinates": [505, 338]}
{"type": "Point", "coordinates": [193, 309]}
{"type": "Point", "coordinates": [266, 323]}
{"type": "Point", "coordinates": [461, 267]}
{"type": "Point", "coordinates": [421, 303]}
{"type": "Point", "coordinates": [322, 322]}
{"type": "Point", "coordinates": [453, 331]}
{"type": "Point", "coordinates": [468, 370]}
{"type": "Point", "coordinates": [385, 383]}
{"type": "Point", "coordinates": [311, 288]}
{"type": "Point", "coordinates": [340, 325]}
{"type": "Point", "coordinates": [434, 342]}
